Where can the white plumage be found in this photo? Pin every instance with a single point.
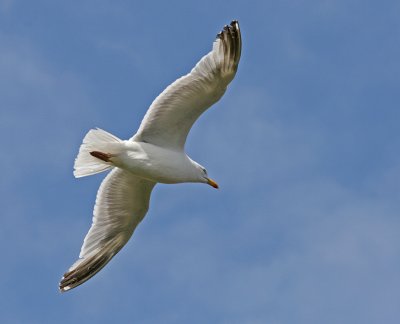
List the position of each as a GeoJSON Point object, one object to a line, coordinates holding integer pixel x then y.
{"type": "Point", "coordinates": [154, 154]}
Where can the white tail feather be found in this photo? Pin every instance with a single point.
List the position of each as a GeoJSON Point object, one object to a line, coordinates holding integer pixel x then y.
{"type": "Point", "coordinates": [95, 140]}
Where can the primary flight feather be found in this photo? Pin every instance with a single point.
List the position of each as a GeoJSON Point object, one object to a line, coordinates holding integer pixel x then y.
{"type": "Point", "coordinates": [154, 154]}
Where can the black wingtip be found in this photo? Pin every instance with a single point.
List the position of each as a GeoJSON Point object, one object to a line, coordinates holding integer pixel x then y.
{"type": "Point", "coordinates": [231, 39]}
{"type": "Point", "coordinates": [83, 271]}
{"type": "Point", "coordinates": [233, 27]}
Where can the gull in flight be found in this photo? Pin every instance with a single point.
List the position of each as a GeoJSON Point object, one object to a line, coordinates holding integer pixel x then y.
{"type": "Point", "coordinates": [154, 154]}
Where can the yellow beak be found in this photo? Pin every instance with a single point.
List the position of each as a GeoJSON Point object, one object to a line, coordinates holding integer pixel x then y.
{"type": "Point", "coordinates": [212, 183]}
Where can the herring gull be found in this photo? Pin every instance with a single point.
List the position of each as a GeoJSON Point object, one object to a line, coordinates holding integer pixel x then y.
{"type": "Point", "coordinates": [154, 154]}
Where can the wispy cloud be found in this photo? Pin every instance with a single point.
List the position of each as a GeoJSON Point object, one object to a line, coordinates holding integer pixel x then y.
{"type": "Point", "coordinates": [304, 145]}
{"type": "Point", "coordinates": [38, 102]}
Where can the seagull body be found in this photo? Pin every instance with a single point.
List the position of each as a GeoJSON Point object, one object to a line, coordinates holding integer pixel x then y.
{"type": "Point", "coordinates": [154, 163]}
{"type": "Point", "coordinates": [154, 154]}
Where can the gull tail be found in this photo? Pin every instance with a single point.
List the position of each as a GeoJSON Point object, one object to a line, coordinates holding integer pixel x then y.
{"type": "Point", "coordinates": [95, 152]}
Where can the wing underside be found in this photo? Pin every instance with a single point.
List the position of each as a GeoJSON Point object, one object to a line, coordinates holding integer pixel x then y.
{"type": "Point", "coordinates": [172, 114]}
{"type": "Point", "coordinates": [122, 202]}
{"type": "Point", "coordinates": [123, 199]}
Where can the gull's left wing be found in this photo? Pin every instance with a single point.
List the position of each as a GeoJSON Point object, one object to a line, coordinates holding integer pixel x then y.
{"type": "Point", "coordinates": [122, 202]}
{"type": "Point", "coordinates": [172, 114]}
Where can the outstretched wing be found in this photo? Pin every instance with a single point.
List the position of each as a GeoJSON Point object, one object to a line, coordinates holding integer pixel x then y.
{"type": "Point", "coordinates": [122, 202]}
{"type": "Point", "coordinates": [172, 114]}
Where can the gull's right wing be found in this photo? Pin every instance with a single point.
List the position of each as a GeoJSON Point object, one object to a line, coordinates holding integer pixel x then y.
{"type": "Point", "coordinates": [172, 114]}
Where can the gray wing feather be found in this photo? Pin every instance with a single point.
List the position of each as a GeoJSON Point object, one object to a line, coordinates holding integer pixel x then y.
{"type": "Point", "coordinates": [172, 114]}
{"type": "Point", "coordinates": [122, 202]}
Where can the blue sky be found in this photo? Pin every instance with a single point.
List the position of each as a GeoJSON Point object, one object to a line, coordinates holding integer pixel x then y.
{"type": "Point", "coordinates": [304, 144]}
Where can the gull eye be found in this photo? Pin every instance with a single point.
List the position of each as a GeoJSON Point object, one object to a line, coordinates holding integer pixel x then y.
{"type": "Point", "coordinates": [205, 171]}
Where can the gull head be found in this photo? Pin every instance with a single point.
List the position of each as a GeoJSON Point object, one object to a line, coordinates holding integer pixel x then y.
{"type": "Point", "coordinates": [203, 176]}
